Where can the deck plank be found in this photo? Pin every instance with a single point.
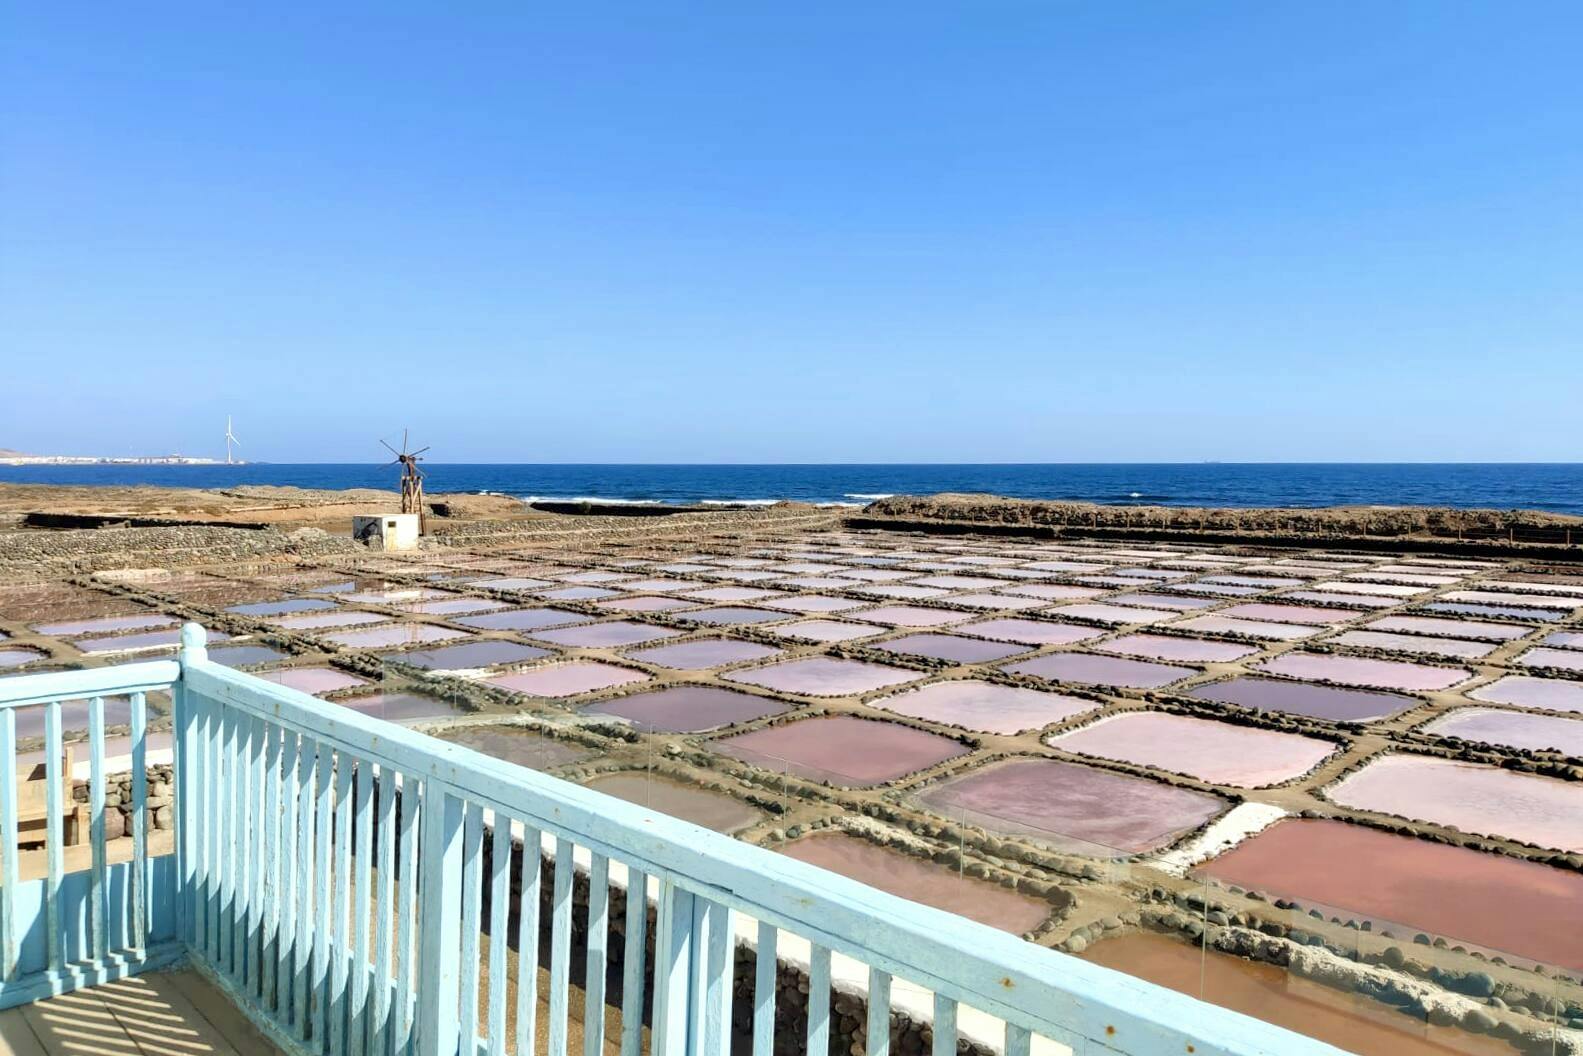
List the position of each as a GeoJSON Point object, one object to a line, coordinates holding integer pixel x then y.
{"type": "Point", "coordinates": [79, 1022]}
{"type": "Point", "coordinates": [17, 1037]}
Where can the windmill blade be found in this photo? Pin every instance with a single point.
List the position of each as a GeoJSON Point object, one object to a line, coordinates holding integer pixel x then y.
{"type": "Point", "coordinates": [391, 449]}
{"type": "Point", "coordinates": [420, 451]}
{"type": "Point", "coordinates": [403, 441]}
{"type": "Point", "coordinates": [235, 441]}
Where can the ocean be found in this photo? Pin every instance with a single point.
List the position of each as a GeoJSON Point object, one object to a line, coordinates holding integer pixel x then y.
{"type": "Point", "coordinates": [1555, 487]}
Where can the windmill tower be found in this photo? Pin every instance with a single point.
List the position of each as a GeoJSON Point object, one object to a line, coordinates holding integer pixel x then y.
{"type": "Point", "coordinates": [411, 480]}
{"type": "Point", "coordinates": [230, 438]}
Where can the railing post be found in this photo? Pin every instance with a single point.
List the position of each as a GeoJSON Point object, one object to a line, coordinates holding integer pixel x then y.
{"type": "Point", "coordinates": [194, 647]}
{"type": "Point", "coordinates": [439, 921]}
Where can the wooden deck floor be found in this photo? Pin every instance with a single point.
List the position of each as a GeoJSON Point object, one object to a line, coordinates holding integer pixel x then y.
{"type": "Point", "coordinates": [155, 1014]}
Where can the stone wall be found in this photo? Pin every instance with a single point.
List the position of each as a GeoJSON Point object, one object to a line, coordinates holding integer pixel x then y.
{"type": "Point", "coordinates": [118, 801]}
{"type": "Point", "coordinates": [56, 553]}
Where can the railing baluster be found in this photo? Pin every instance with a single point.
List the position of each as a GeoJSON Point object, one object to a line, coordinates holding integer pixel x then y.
{"type": "Point", "coordinates": [499, 911]}
{"type": "Point", "coordinates": [1019, 1042]}
{"type": "Point", "coordinates": [98, 895]}
{"type": "Point", "coordinates": [214, 827]}
{"type": "Point", "coordinates": [406, 916]}
{"type": "Point", "coordinates": [242, 835]}
{"type": "Point", "coordinates": [944, 1026]}
{"type": "Point", "coordinates": [818, 1000]}
{"type": "Point", "coordinates": [598, 943]}
{"type": "Point", "coordinates": [258, 747]}
{"type": "Point", "coordinates": [633, 955]}
{"type": "Point", "coordinates": [340, 944]}
{"type": "Point", "coordinates": [472, 917]}
{"type": "Point", "coordinates": [274, 814]}
{"type": "Point", "coordinates": [439, 916]}
{"type": "Point", "coordinates": [53, 806]}
{"type": "Point", "coordinates": [528, 941]}
{"type": "Point", "coordinates": [385, 907]}
{"type": "Point", "coordinates": [719, 969]}
{"type": "Point", "coordinates": [560, 945]}
{"type": "Point", "coordinates": [286, 938]}
{"type": "Point", "coordinates": [302, 941]}
{"type": "Point", "coordinates": [226, 851]}
{"type": "Point", "coordinates": [317, 938]}
{"type": "Point", "coordinates": [138, 719]}
{"type": "Point", "coordinates": [10, 939]}
{"type": "Point", "coordinates": [878, 1043]}
{"type": "Point", "coordinates": [363, 830]}
{"type": "Point", "coordinates": [672, 972]}
{"type": "Point", "coordinates": [764, 990]}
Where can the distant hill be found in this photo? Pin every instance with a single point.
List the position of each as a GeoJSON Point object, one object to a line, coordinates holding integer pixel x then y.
{"type": "Point", "coordinates": [6, 452]}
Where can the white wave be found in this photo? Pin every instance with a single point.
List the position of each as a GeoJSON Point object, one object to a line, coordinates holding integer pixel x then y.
{"type": "Point", "coordinates": [843, 505]}
{"type": "Point", "coordinates": [876, 495]}
{"type": "Point", "coordinates": [592, 498]}
{"type": "Point", "coordinates": [739, 502]}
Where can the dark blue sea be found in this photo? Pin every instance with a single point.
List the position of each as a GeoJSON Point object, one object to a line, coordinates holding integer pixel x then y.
{"type": "Point", "coordinates": [1556, 487]}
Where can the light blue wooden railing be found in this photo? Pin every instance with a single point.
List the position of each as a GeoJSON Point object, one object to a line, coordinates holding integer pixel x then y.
{"type": "Point", "coordinates": [330, 874]}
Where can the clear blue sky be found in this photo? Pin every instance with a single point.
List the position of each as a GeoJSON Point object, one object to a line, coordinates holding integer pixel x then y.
{"type": "Point", "coordinates": [795, 232]}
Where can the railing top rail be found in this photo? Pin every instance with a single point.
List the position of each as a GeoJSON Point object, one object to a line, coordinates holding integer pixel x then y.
{"type": "Point", "coordinates": [21, 690]}
{"type": "Point", "coordinates": [1050, 993]}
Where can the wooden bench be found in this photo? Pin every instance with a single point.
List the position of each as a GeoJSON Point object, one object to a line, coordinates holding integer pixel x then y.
{"type": "Point", "coordinates": [32, 803]}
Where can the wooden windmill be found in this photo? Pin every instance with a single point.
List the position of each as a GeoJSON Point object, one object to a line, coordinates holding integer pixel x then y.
{"type": "Point", "coordinates": [411, 480]}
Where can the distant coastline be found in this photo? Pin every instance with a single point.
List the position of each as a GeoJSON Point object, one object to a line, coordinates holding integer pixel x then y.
{"type": "Point", "coordinates": [17, 458]}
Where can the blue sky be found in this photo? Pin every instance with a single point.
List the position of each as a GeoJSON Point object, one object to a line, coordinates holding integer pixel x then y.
{"type": "Point", "coordinates": [812, 232]}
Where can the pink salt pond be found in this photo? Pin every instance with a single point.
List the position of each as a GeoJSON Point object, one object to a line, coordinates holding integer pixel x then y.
{"type": "Point", "coordinates": [578, 594]}
{"type": "Point", "coordinates": [1564, 640]}
{"type": "Point", "coordinates": [1564, 659]}
{"type": "Point", "coordinates": [921, 881]}
{"type": "Point", "coordinates": [1072, 806]}
{"type": "Point", "coordinates": [1306, 614]}
{"type": "Point", "coordinates": [734, 594]}
{"type": "Point", "coordinates": [608, 635]}
{"type": "Point", "coordinates": [1214, 623]}
{"type": "Point", "coordinates": [313, 679]}
{"type": "Point", "coordinates": [985, 706]}
{"type": "Point", "coordinates": [710, 652]}
{"type": "Point", "coordinates": [813, 603]}
{"type": "Point", "coordinates": [455, 606]}
{"type": "Point", "coordinates": [732, 616]}
{"type": "Point", "coordinates": [1485, 800]}
{"type": "Point", "coordinates": [1118, 614]}
{"type": "Point", "coordinates": [950, 647]}
{"type": "Point", "coordinates": [567, 680]}
{"type": "Point", "coordinates": [319, 620]}
{"type": "Point", "coordinates": [823, 676]}
{"type": "Point", "coordinates": [1450, 648]}
{"type": "Point", "coordinates": [1101, 670]}
{"type": "Point", "coordinates": [689, 709]}
{"type": "Point", "coordinates": [828, 630]}
{"type": "Point", "coordinates": [1304, 698]}
{"type": "Point", "coordinates": [842, 749]}
{"type": "Point", "coordinates": [1526, 691]}
{"type": "Point", "coordinates": [524, 619]}
{"type": "Point", "coordinates": [395, 634]}
{"type": "Point", "coordinates": [1359, 671]}
{"type": "Point", "coordinates": [1051, 591]}
{"type": "Point", "coordinates": [468, 655]}
{"type": "Point", "coordinates": [911, 616]}
{"type": "Point", "coordinates": [121, 643]}
{"type": "Point", "coordinates": [1514, 729]}
{"type": "Point", "coordinates": [645, 603]}
{"type": "Point", "coordinates": [400, 707]}
{"type": "Point", "coordinates": [1215, 752]}
{"type": "Point", "coordinates": [514, 744]}
{"type": "Point", "coordinates": [1029, 632]}
{"type": "Point", "coordinates": [712, 810]}
{"type": "Point", "coordinates": [1502, 904]}
{"type": "Point", "coordinates": [1167, 647]}
{"type": "Point", "coordinates": [106, 625]}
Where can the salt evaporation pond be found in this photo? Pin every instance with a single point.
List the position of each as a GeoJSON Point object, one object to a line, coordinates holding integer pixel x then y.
{"type": "Point", "coordinates": [1495, 611]}
{"type": "Point", "coordinates": [712, 810]}
{"type": "Point", "coordinates": [1358, 671]}
{"type": "Point", "coordinates": [1168, 647]}
{"type": "Point", "coordinates": [1451, 648]}
{"type": "Point", "coordinates": [646, 603]}
{"type": "Point", "coordinates": [1503, 904]}
{"type": "Point", "coordinates": [455, 606]}
{"type": "Point", "coordinates": [1276, 613]}
{"type": "Point", "coordinates": [1526, 691]}
{"type": "Point", "coordinates": [1515, 729]}
{"type": "Point", "coordinates": [517, 744]}
{"type": "Point", "coordinates": [18, 657]}
{"type": "Point", "coordinates": [1164, 601]}
{"type": "Point", "coordinates": [950, 647]}
{"type": "Point", "coordinates": [700, 655]}
{"type": "Point", "coordinates": [244, 655]}
{"type": "Point", "coordinates": [1565, 659]}
{"type": "Point", "coordinates": [1101, 670]}
{"type": "Point", "coordinates": [823, 676]}
{"type": "Point", "coordinates": [1330, 597]}
{"type": "Point", "coordinates": [122, 643]}
{"type": "Point", "coordinates": [1564, 640]}
{"type": "Point", "coordinates": [468, 655]}
{"type": "Point", "coordinates": [985, 706]}
{"type": "Point", "coordinates": [1214, 623]}
{"type": "Point", "coordinates": [312, 679]}
{"type": "Point", "coordinates": [688, 709]}
{"type": "Point", "coordinates": [732, 616]}
{"type": "Point", "coordinates": [401, 707]}
{"type": "Point", "coordinates": [608, 635]}
{"type": "Point", "coordinates": [105, 625]}
{"type": "Point", "coordinates": [732, 594]}
{"type": "Point", "coordinates": [828, 630]}
{"type": "Point", "coordinates": [318, 620]}
{"type": "Point", "coordinates": [1075, 807]}
{"type": "Point", "coordinates": [1051, 591]}
{"type": "Point", "coordinates": [905, 591]}
{"type": "Point", "coordinates": [1497, 632]}
{"type": "Point", "coordinates": [1029, 632]}
{"type": "Point", "coordinates": [1117, 614]}
{"type": "Point", "coordinates": [524, 620]}
{"type": "Point", "coordinates": [1265, 991]}
{"type": "Point", "coordinates": [912, 616]}
{"type": "Point", "coordinates": [578, 594]}
{"type": "Point", "coordinates": [1216, 752]}
{"type": "Point", "coordinates": [395, 634]}
{"type": "Point", "coordinates": [842, 749]}
{"type": "Point", "coordinates": [281, 608]}
{"type": "Point", "coordinates": [567, 680]}
{"type": "Point", "coordinates": [920, 881]}
{"type": "Point", "coordinates": [1485, 800]}
{"type": "Point", "coordinates": [1304, 698]}
{"type": "Point", "coordinates": [813, 603]}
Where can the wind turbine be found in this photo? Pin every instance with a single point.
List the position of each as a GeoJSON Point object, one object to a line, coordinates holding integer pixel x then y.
{"type": "Point", "coordinates": [230, 438]}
